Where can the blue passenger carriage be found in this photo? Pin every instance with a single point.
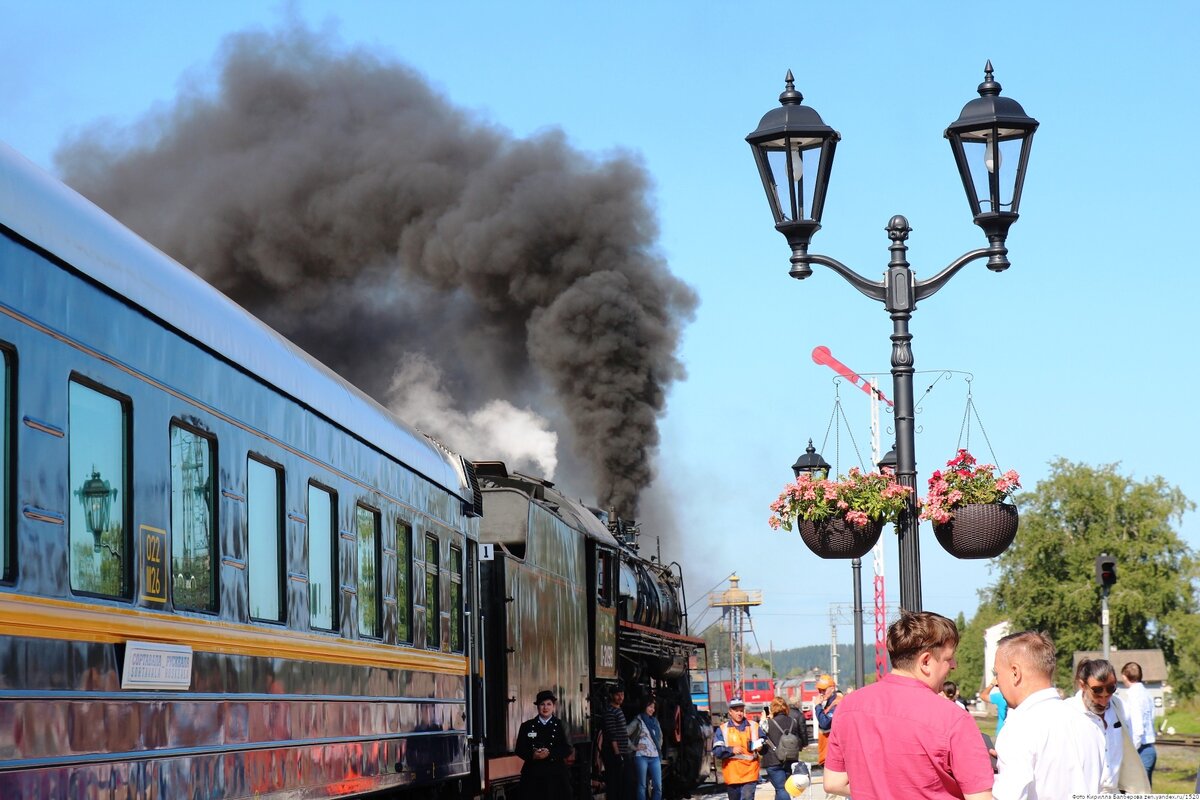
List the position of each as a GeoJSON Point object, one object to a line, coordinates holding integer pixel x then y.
{"type": "Point", "coordinates": [224, 571]}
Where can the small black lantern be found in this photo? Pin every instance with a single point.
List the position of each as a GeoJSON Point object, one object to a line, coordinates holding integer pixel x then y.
{"type": "Point", "coordinates": [889, 463]}
{"type": "Point", "coordinates": [96, 495]}
{"type": "Point", "coordinates": [811, 463]}
{"type": "Point", "coordinates": [794, 150]}
{"type": "Point", "coordinates": [991, 140]}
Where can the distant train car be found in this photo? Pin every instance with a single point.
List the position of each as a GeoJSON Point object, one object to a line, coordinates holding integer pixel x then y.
{"type": "Point", "coordinates": [757, 690]}
{"type": "Point", "coordinates": [580, 611]}
{"type": "Point", "coordinates": [224, 572]}
{"type": "Point", "coordinates": [799, 693]}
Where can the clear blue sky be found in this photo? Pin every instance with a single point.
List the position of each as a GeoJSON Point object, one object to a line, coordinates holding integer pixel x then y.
{"type": "Point", "coordinates": [1083, 349]}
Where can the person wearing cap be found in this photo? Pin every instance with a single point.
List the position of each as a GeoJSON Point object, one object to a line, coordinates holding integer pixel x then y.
{"type": "Point", "coordinates": [736, 745]}
{"type": "Point", "coordinates": [542, 744]}
{"type": "Point", "coordinates": [617, 751]}
{"type": "Point", "coordinates": [823, 710]}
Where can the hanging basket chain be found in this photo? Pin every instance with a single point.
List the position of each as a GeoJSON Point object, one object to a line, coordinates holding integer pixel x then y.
{"type": "Point", "coordinates": [850, 433]}
{"type": "Point", "coordinates": [839, 412]}
{"type": "Point", "coordinates": [964, 433]}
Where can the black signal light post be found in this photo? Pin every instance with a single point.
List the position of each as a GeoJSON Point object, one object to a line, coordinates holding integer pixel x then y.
{"type": "Point", "coordinates": [1106, 576]}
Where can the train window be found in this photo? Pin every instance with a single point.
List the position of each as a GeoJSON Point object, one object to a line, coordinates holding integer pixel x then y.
{"type": "Point", "coordinates": [322, 543]}
{"type": "Point", "coordinates": [404, 565]}
{"type": "Point", "coordinates": [367, 522]}
{"type": "Point", "coordinates": [456, 609]}
{"type": "Point", "coordinates": [432, 587]}
{"type": "Point", "coordinates": [192, 544]}
{"type": "Point", "coordinates": [100, 537]}
{"type": "Point", "coordinates": [5, 422]}
{"type": "Point", "coordinates": [603, 581]}
{"type": "Point", "coordinates": [264, 512]}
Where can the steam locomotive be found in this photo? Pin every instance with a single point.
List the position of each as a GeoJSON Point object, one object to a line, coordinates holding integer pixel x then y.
{"type": "Point", "coordinates": [581, 611]}
{"type": "Point", "coordinates": [225, 572]}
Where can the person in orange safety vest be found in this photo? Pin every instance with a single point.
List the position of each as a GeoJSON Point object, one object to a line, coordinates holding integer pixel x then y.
{"type": "Point", "coordinates": [737, 745]}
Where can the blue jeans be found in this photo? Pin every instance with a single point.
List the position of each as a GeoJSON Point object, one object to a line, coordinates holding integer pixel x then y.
{"type": "Point", "coordinates": [778, 777]}
{"type": "Point", "coordinates": [652, 767]}
{"type": "Point", "coordinates": [1149, 757]}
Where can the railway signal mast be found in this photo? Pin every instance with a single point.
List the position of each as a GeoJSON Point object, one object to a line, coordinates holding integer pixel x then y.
{"type": "Point", "coordinates": [821, 355]}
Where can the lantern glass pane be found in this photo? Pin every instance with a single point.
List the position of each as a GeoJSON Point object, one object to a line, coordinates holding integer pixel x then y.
{"type": "Point", "coordinates": [100, 550]}
{"type": "Point", "coordinates": [993, 169]}
{"type": "Point", "coordinates": [795, 175]}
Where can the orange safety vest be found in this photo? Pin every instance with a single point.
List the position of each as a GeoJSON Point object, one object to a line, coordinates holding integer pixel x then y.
{"type": "Point", "coordinates": [740, 769]}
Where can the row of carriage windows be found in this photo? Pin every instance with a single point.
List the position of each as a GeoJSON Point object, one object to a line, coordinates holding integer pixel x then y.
{"type": "Point", "coordinates": [101, 542]}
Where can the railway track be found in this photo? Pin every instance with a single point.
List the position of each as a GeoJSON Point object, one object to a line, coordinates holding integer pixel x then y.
{"type": "Point", "coordinates": [1179, 741]}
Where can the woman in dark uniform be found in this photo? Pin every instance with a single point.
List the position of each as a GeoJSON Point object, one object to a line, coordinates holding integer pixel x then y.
{"type": "Point", "coordinates": [542, 744]}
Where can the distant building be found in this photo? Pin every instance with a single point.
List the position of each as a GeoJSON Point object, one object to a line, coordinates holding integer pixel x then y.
{"type": "Point", "coordinates": [991, 637]}
{"type": "Point", "coordinates": [1154, 671]}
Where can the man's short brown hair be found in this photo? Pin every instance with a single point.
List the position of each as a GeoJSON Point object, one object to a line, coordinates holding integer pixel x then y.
{"type": "Point", "coordinates": [1132, 671]}
{"type": "Point", "coordinates": [1032, 649]}
{"type": "Point", "coordinates": [916, 632]}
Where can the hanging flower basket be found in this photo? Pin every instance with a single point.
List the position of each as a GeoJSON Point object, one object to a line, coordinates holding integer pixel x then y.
{"type": "Point", "coordinates": [837, 538]}
{"type": "Point", "coordinates": [839, 518]}
{"type": "Point", "coordinates": [978, 530]}
{"type": "Point", "coordinates": [966, 506]}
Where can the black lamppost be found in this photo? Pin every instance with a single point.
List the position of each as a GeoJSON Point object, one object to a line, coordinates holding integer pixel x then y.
{"type": "Point", "coordinates": [794, 151]}
{"type": "Point", "coordinates": [96, 495]}
{"type": "Point", "coordinates": [813, 464]}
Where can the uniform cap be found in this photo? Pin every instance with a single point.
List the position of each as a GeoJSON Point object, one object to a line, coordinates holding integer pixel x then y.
{"type": "Point", "coordinates": [544, 695]}
{"type": "Point", "coordinates": [737, 702]}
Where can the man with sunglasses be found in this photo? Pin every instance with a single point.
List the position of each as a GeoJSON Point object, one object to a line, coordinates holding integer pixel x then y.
{"type": "Point", "coordinates": [1096, 681]}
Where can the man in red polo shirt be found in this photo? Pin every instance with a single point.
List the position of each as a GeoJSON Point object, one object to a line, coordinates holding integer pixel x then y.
{"type": "Point", "coordinates": [897, 739]}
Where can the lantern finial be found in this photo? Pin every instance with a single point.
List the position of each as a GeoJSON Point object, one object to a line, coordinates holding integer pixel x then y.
{"type": "Point", "coordinates": [989, 87]}
{"type": "Point", "coordinates": [790, 97]}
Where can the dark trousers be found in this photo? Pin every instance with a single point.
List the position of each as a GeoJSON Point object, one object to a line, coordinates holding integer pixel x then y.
{"type": "Point", "coordinates": [617, 770]}
{"type": "Point", "coordinates": [741, 791]}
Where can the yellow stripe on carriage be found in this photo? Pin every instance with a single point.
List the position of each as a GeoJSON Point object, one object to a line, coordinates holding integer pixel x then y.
{"type": "Point", "coordinates": [50, 618]}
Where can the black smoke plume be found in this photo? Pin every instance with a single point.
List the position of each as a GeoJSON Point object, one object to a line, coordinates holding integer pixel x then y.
{"type": "Point", "coordinates": [334, 194]}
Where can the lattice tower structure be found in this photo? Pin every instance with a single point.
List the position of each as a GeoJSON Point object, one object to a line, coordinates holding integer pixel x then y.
{"type": "Point", "coordinates": [735, 603]}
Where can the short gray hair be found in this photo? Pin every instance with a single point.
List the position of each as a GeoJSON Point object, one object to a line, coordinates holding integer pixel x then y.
{"type": "Point", "coordinates": [1032, 649]}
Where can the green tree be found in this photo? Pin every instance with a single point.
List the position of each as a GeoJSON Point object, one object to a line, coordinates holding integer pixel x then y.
{"type": "Point", "coordinates": [1047, 577]}
{"type": "Point", "coordinates": [969, 673]}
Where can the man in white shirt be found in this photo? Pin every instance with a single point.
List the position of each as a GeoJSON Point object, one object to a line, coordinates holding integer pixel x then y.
{"type": "Point", "coordinates": [1096, 699]}
{"type": "Point", "coordinates": [1046, 749]}
{"type": "Point", "coordinates": [1141, 716]}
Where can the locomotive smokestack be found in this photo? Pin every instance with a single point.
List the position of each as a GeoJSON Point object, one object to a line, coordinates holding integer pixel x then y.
{"type": "Point", "coordinates": [338, 197]}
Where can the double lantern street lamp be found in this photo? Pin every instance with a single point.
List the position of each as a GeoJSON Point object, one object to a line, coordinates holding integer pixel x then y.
{"type": "Point", "coordinates": [794, 151]}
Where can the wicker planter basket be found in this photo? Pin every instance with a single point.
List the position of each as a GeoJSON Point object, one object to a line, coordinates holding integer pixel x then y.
{"type": "Point", "coordinates": [836, 538]}
{"type": "Point", "coordinates": [979, 530]}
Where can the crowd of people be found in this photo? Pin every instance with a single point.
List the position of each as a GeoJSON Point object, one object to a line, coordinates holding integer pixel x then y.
{"type": "Point", "coordinates": [910, 735]}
